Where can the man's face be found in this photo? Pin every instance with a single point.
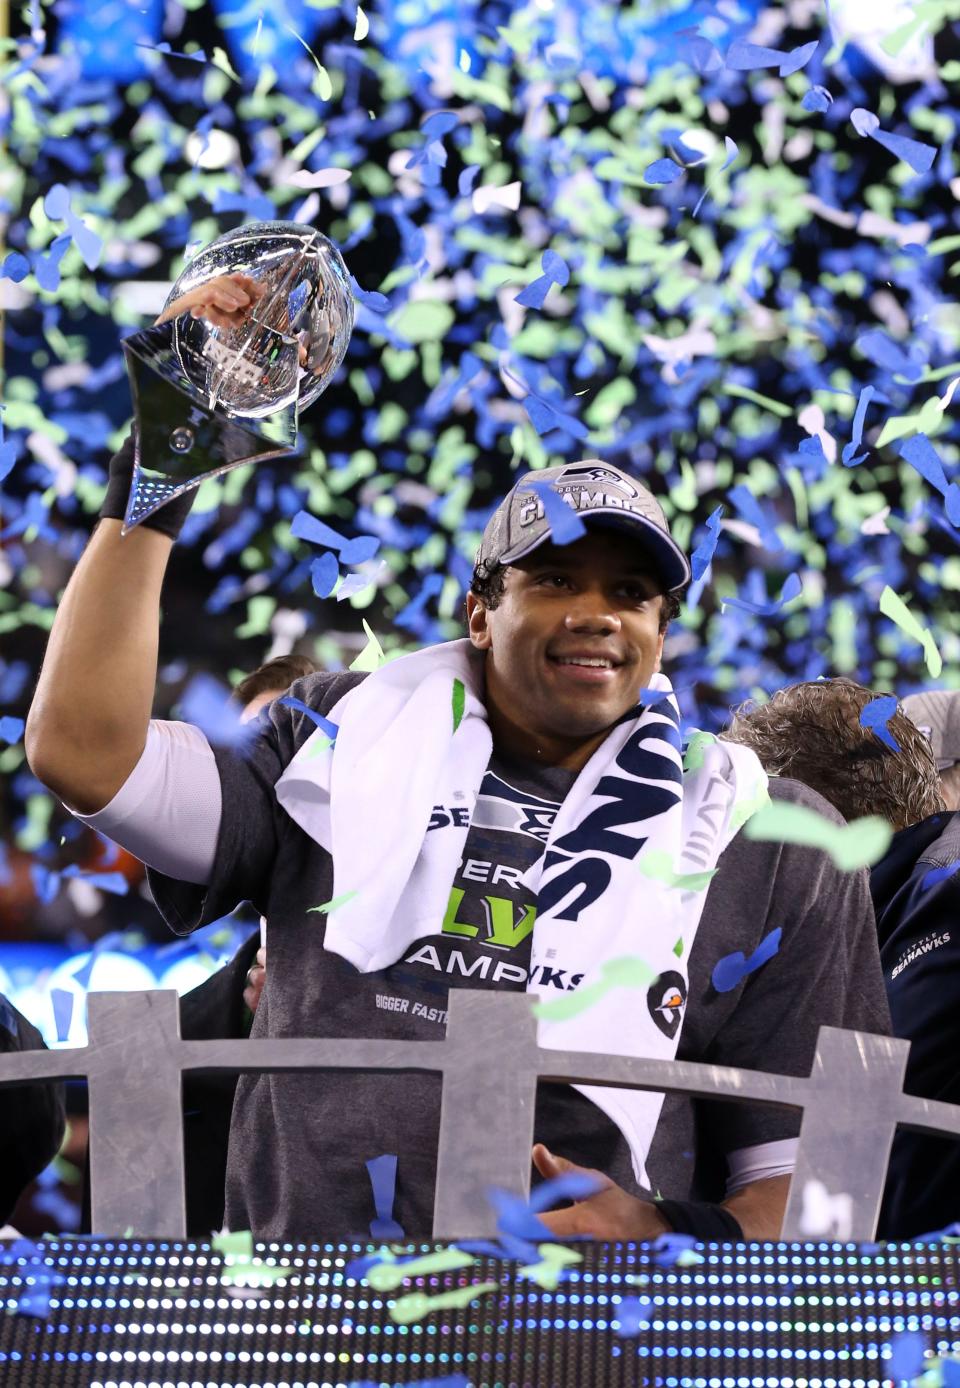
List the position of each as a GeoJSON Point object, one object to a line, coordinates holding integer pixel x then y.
{"type": "Point", "coordinates": [564, 609]}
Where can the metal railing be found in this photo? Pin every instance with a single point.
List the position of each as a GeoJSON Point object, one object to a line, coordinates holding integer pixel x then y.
{"type": "Point", "coordinates": [490, 1062]}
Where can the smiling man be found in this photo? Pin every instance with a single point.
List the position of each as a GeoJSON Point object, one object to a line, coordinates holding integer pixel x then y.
{"type": "Point", "coordinates": [513, 810]}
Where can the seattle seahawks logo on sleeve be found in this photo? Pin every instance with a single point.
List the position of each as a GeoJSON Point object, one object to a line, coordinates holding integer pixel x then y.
{"type": "Point", "coordinates": [666, 1001]}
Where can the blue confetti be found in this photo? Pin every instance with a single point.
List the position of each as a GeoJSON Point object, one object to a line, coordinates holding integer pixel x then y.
{"type": "Point", "coordinates": [62, 1003]}
{"type": "Point", "coordinates": [324, 572]}
{"type": "Point", "coordinates": [817, 99]}
{"type": "Point", "coordinates": [207, 703]}
{"type": "Point", "coordinates": [668, 1248]}
{"type": "Point", "coordinates": [409, 616]}
{"type": "Point", "coordinates": [936, 875]}
{"type": "Point", "coordinates": [383, 1179]}
{"type": "Point", "coordinates": [544, 417]}
{"type": "Point", "coordinates": [15, 267]}
{"type": "Point", "coordinates": [745, 57]}
{"type": "Point", "coordinates": [467, 179]}
{"type": "Point", "coordinates": [702, 556]}
{"type": "Point", "coordinates": [905, 1361]}
{"type": "Point", "coordinates": [47, 267]}
{"type": "Point", "coordinates": [752, 512]}
{"type": "Point", "coordinates": [729, 971]}
{"type": "Point", "coordinates": [357, 551]}
{"type": "Point", "coordinates": [918, 155]}
{"type": "Point", "coordinates": [565, 525]}
{"type": "Point", "coordinates": [113, 882]}
{"type": "Point", "coordinates": [849, 449]}
{"type": "Point", "coordinates": [378, 303]}
{"type": "Point", "coordinates": [8, 450]}
{"type": "Point", "coordinates": [518, 1219]}
{"type": "Point", "coordinates": [791, 589]}
{"type": "Point", "coordinates": [881, 349]}
{"type": "Point", "coordinates": [11, 729]}
{"type": "Point", "coordinates": [324, 724]}
{"type": "Point", "coordinates": [920, 453]}
{"type": "Point", "coordinates": [663, 171]}
{"type": "Point", "coordinates": [700, 53]}
{"type": "Point", "coordinates": [555, 271]}
{"type": "Point", "coordinates": [631, 1314]}
{"type": "Point", "coordinates": [876, 714]}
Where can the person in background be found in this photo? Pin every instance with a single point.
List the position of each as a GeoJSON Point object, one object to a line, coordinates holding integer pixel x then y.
{"type": "Point", "coordinates": [812, 733]}
{"type": "Point", "coordinates": [33, 1122]}
{"type": "Point", "coordinates": [936, 713]}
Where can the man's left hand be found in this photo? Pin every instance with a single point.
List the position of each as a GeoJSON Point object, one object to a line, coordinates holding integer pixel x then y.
{"type": "Point", "coordinates": [610, 1214]}
{"type": "Point", "coordinates": [256, 978]}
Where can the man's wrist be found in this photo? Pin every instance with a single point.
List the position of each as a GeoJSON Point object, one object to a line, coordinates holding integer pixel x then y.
{"type": "Point", "coordinates": [705, 1222]}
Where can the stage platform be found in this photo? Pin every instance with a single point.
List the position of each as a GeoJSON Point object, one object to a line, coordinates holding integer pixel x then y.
{"type": "Point", "coordinates": [99, 1313]}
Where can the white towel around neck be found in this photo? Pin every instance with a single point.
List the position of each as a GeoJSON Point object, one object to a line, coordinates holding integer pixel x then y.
{"type": "Point", "coordinates": [606, 883]}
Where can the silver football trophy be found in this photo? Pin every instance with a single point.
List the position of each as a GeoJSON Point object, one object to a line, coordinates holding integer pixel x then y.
{"type": "Point", "coordinates": [206, 398]}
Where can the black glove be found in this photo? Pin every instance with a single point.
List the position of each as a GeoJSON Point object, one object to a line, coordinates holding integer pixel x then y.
{"type": "Point", "coordinates": [170, 517]}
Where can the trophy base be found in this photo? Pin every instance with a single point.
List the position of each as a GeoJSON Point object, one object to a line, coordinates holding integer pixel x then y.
{"type": "Point", "coordinates": [185, 440]}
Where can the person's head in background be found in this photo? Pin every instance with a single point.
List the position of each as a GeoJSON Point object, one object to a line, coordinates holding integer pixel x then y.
{"type": "Point", "coordinates": [268, 682]}
{"type": "Point", "coordinates": [811, 732]}
{"type": "Point", "coordinates": [937, 715]}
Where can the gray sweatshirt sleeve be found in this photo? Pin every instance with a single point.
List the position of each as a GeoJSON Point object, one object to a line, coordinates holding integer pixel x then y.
{"type": "Point", "coordinates": [167, 812]}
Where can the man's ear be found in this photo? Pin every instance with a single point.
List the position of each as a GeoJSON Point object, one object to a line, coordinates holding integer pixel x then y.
{"type": "Point", "coordinates": [478, 625]}
{"type": "Point", "coordinates": [656, 667]}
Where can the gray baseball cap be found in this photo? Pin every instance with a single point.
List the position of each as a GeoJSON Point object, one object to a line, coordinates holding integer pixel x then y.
{"type": "Point", "coordinates": [595, 491]}
{"type": "Point", "coordinates": [936, 713]}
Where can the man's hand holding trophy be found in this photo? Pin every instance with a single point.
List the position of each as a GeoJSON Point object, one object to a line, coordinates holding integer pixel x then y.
{"type": "Point", "coordinates": [252, 332]}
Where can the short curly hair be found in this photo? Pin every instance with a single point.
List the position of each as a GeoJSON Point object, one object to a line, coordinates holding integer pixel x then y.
{"type": "Point", "coordinates": [489, 584]}
{"type": "Point", "coordinates": [812, 733]}
{"type": "Point", "coordinates": [276, 674]}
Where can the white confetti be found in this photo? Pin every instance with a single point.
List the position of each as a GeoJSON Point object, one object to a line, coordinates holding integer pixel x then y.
{"type": "Point", "coordinates": [323, 178]}
{"type": "Point", "coordinates": [506, 198]}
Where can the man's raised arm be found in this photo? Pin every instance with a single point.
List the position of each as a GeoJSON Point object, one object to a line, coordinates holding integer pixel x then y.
{"type": "Point", "coordinates": [87, 725]}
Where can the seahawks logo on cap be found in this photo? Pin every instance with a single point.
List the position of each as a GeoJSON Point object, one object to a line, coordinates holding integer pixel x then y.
{"type": "Point", "coordinates": [666, 1000]}
{"type": "Point", "coordinates": [592, 472]}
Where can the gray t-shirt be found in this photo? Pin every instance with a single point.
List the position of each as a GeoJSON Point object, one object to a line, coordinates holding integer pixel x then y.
{"type": "Point", "coordinates": [298, 1143]}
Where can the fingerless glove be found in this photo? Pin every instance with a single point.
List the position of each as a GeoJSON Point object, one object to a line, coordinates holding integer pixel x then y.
{"type": "Point", "coordinates": [168, 519]}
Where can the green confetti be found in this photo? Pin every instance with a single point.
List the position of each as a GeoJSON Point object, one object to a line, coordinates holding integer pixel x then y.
{"type": "Point", "coordinates": [459, 703]}
{"type": "Point", "coordinates": [417, 1305]}
{"type": "Point", "coordinates": [554, 1258]}
{"type": "Point", "coordinates": [329, 907]}
{"type": "Point", "coordinates": [260, 612]}
{"type": "Point", "coordinates": [626, 972]}
{"type": "Point", "coordinates": [896, 609]}
{"type": "Point", "coordinates": [238, 1245]}
{"type": "Point", "coordinates": [744, 809]}
{"type": "Point", "coordinates": [324, 87]}
{"type": "Point", "coordinates": [221, 61]}
{"type": "Point", "coordinates": [372, 656]}
{"type": "Point", "coordinates": [678, 949]}
{"type": "Point", "coordinates": [248, 1274]}
{"type": "Point", "coordinates": [657, 864]}
{"type": "Point", "coordinates": [387, 1276]}
{"type": "Point", "coordinates": [422, 320]}
{"type": "Point", "coordinates": [774, 406]}
{"type": "Point", "coordinates": [697, 744]}
{"type": "Point", "coordinates": [861, 843]}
